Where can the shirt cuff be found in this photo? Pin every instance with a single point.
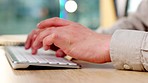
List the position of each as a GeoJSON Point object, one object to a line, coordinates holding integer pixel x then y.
{"type": "Point", "coordinates": [125, 49]}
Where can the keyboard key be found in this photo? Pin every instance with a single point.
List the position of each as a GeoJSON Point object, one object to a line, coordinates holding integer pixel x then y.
{"type": "Point", "coordinates": [66, 61]}
{"type": "Point", "coordinates": [51, 61]}
{"type": "Point", "coordinates": [18, 56]}
{"type": "Point", "coordinates": [31, 59]}
{"type": "Point", "coordinates": [40, 59]}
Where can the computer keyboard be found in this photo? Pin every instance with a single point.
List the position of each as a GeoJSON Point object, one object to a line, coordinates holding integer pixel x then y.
{"type": "Point", "coordinates": [21, 58]}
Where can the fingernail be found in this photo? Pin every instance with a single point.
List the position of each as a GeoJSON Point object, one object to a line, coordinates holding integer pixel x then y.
{"type": "Point", "coordinates": [26, 47]}
{"type": "Point", "coordinates": [60, 54]}
{"type": "Point", "coordinates": [38, 24]}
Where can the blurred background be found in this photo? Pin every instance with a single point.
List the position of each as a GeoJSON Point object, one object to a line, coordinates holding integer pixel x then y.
{"type": "Point", "coordinates": [21, 16]}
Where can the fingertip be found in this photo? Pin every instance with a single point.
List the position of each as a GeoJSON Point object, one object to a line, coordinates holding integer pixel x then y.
{"type": "Point", "coordinates": [46, 47]}
{"type": "Point", "coordinates": [27, 46]}
{"type": "Point", "coordinates": [60, 53]}
{"type": "Point", "coordinates": [34, 51]}
{"type": "Point", "coordinates": [39, 25]}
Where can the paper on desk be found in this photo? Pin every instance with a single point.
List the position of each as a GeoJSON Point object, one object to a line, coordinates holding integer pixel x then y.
{"type": "Point", "coordinates": [12, 39]}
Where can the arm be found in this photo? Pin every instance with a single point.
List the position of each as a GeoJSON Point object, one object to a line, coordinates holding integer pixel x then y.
{"type": "Point", "coordinates": [128, 48]}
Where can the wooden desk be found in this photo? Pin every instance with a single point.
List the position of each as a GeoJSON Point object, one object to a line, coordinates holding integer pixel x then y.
{"type": "Point", "coordinates": [90, 73]}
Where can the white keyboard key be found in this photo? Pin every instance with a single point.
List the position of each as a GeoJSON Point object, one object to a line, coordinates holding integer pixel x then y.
{"type": "Point", "coordinates": [55, 60]}
{"type": "Point", "coordinates": [31, 59]}
{"type": "Point", "coordinates": [64, 61]}
{"type": "Point", "coordinates": [19, 57]}
{"type": "Point", "coordinates": [40, 59]}
{"type": "Point", "coordinates": [52, 61]}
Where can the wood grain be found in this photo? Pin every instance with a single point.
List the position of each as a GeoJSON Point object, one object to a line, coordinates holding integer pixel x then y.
{"type": "Point", "coordinates": [89, 73]}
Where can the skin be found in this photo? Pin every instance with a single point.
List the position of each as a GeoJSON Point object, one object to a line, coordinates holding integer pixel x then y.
{"type": "Point", "coordinates": [70, 38]}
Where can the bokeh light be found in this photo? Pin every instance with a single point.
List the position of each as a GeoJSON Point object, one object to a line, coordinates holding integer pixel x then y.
{"type": "Point", "coordinates": [71, 6]}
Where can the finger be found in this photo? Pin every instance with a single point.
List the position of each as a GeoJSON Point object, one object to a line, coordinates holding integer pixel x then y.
{"type": "Point", "coordinates": [38, 31]}
{"type": "Point", "coordinates": [48, 41]}
{"type": "Point", "coordinates": [46, 47]}
{"type": "Point", "coordinates": [29, 39]}
{"type": "Point", "coordinates": [60, 53]}
{"type": "Point", "coordinates": [35, 50]}
{"type": "Point", "coordinates": [38, 41]}
{"type": "Point", "coordinates": [53, 22]}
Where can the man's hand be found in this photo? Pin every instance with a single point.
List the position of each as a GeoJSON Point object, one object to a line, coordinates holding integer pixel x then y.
{"type": "Point", "coordinates": [72, 39]}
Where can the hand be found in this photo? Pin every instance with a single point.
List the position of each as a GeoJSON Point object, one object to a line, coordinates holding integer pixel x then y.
{"type": "Point", "coordinates": [73, 39]}
{"type": "Point", "coordinates": [32, 36]}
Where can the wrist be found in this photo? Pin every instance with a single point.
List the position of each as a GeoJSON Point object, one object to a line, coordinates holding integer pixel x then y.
{"type": "Point", "coordinates": [107, 45]}
{"type": "Point", "coordinates": [103, 49]}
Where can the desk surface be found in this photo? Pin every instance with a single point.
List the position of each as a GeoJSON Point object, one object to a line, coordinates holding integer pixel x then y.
{"type": "Point", "coordinates": [90, 73]}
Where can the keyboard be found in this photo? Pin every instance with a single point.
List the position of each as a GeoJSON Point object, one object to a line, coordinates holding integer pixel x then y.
{"type": "Point", "coordinates": [20, 58]}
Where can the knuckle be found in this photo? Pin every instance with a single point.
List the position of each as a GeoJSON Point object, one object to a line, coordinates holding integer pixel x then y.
{"type": "Point", "coordinates": [39, 38]}
{"type": "Point", "coordinates": [45, 41]}
{"type": "Point", "coordinates": [54, 36]}
{"type": "Point", "coordinates": [32, 34]}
